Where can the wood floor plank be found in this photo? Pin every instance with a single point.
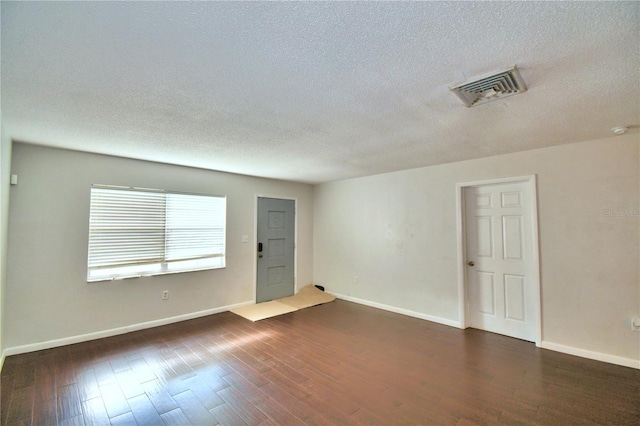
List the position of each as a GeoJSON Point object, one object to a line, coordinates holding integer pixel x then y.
{"type": "Point", "coordinates": [88, 387]}
{"type": "Point", "coordinates": [125, 419]}
{"type": "Point", "coordinates": [24, 377]}
{"type": "Point", "coordinates": [366, 417]}
{"type": "Point", "coordinates": [44, 412]}
{"type": "Point", "coordinates": [175, 417]}
{"type": "Point", "coordinates": [303, 409]}
{"type": "Point", "coordinates": [213, 377]}
{"type": "Point", "coordinates": [21, 405]}
{"type": "Point", "coordinates": [245, 409]}
{"type": "Point", "coordinates": [144, 411]}
{"type": "Point", "coordinates": [119, 364]}
{"type": "Point", "coordinates": [259, 397]}
{"type": "Point", "coordinates": [174, 385]}
{"type": "Point", "coordinates": [64, 373]}
{"type": "Point", "coordinates": [114, 400]}
{"type": "Point", "coordinates": [72, 421]}
{"type": "Point", "coordinates": [321, 387]}
{"type": "Point", "coordinates": [225, 415]}
{"type": "Point", "coordinates": [193, 409]}
{"type": "Point", "coordinates": [177, 368]}
{"type": "Point", "coordinates": [68, 402]}
{"type": "Point", "coordinates": [104, 373]}
{"type": "Point", "coordinates": [141, 370]}
{"type": "Point", "coordinates": [278, 413]}
{"type": "Point", "coordinates": [338, 363]}
{"type": "Point", "coordinates": [297, 390]}
{"type": "Point", "coordinates": [259, 379]}
{"type": "Point", "coordinates": [189, 357]}
{"type": "Point", "coordinates": [159, 397]}
{"type": "Point", "coordinates": [129, 384]}
{"type": "Point", "coordinates": [94, 412]}
{"type": "Point", "coordinates": [207, 396]}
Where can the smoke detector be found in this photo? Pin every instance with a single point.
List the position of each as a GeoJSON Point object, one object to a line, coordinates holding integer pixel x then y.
{"type": "Point", "coordinates": [490, 88]}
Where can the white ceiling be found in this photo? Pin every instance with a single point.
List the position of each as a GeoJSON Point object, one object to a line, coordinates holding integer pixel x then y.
{"type": "Point", "coordinates": [314, 91]}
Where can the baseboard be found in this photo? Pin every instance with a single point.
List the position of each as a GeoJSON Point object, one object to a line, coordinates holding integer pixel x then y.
{"type": "Point", "coordinates": [570, 350]}
{"type": "Point", "coordinates": [597, 356]}
{"type": "Point", "coordinates": [116, 331]}
{"type": "Point", "coordinates": [397, 310]}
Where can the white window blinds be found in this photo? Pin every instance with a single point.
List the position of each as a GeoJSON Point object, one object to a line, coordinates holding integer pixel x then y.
{"type": "Point", "coordinates": [136, 232]}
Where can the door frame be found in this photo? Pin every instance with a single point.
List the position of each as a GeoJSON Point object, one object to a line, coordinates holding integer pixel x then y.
{"type": "Point", "coordinates": [531, 181]}
{"type": "Point", "coordinates": [255, 241]}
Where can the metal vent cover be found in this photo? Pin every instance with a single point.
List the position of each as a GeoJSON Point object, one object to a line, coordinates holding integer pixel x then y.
{"type": "Point", "coordinates": [490, 88]}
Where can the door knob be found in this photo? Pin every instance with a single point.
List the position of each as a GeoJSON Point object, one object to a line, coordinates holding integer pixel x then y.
{"type": "Point", "coordinates": [471, 263]}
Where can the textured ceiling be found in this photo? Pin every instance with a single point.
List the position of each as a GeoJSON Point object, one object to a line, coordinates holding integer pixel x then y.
{"type": "Point", "coordinates": [314, 91]}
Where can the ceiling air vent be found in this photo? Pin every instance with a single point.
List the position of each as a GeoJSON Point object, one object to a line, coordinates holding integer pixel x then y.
{"type": "Point", "coordinates": [490, 88]}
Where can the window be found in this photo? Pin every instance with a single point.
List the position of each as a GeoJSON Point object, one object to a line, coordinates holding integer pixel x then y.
{"type": "Point", "coordinates": [135, 232]}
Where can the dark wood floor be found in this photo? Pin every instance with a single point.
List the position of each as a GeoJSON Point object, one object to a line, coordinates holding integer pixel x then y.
{"type": "Point", "coordinates": [338, 363]}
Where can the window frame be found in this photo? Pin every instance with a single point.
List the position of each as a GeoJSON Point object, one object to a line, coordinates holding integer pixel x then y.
{"type": "Point", "coordinates": [141, 267]}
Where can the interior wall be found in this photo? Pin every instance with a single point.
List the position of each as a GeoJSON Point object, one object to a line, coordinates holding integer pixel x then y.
{"type": "Point", "coordinates": [5, 173]}
{"type": "Point", "coordinates": [397, 233]}
{"type": "Point", "coordinates": [48, 234]}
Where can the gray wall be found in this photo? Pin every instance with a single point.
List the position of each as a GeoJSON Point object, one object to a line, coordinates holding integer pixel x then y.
{"type": "Point", "coordinates": [48, 295]}
{"type": "Point", "coordinates": [397, 232]}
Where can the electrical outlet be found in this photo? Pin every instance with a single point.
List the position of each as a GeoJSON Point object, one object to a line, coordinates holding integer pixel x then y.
{"type": "Point", "coordinates": [165, 295]}
{"type": "Point", "coordinates": [356, 280]}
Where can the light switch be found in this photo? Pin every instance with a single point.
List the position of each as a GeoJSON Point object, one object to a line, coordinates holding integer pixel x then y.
{"type": "Point", "coordinates": [14, 179]}
{"type": "Point", "coordinates": [245, 238]}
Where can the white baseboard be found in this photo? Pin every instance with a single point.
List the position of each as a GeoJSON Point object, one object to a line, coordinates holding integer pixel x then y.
{"type": "Point", "coordinates": [597, 356]}
{"type": "Point", "coordinates": [570, 350]}
{"type": "Point", "coordinates": [116, 331]}
{"type": "Point", "coordinates": [401, 311]}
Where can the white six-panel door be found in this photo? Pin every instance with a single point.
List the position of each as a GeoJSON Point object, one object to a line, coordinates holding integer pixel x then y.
{"type": "Point", "coordinates": [500, 264]}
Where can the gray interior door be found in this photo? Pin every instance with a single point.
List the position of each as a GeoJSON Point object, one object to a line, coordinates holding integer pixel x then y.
{"type": "Point", "coordinates": [276, 243]}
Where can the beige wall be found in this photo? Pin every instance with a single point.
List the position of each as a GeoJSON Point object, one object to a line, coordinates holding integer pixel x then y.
{"type": "Point", "coordinates": [47, 291]}
{"type": "Point", "coordinates": [5, 173]}
{"type": "Point", "coordinates": [397, 232]}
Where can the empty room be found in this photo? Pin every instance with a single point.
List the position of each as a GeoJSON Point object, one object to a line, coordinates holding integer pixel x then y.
{"type": "Point", "coordinates": [284, 213]}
